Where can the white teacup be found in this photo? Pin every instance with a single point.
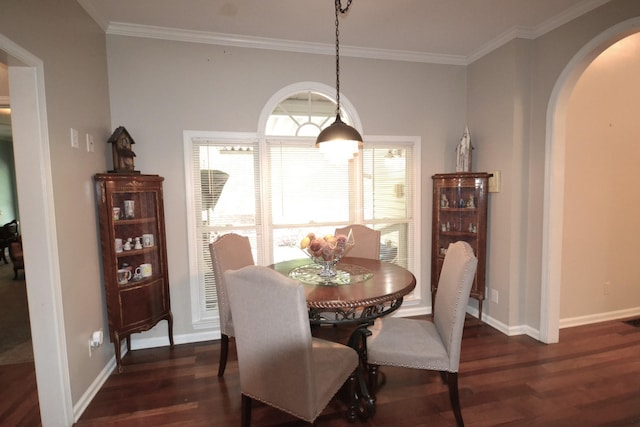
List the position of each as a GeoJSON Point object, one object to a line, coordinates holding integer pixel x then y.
{"type": "Point", "coordinates": [124, 276]}
{"type": "Point", "coordinates": [144, 270]}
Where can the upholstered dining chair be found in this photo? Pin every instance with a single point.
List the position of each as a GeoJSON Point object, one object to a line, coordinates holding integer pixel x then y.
{"type": "Point", "coordinates": [280, 363]}
{"type": "Point", "coordinates": [229, 252]}
{"type": "Point", "coordinates": [422, 344]}
{"type": "Point", "coordinates": [367, 241]}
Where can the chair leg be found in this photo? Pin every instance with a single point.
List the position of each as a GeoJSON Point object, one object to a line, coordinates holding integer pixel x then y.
{"type": "Point", "coordinates": [246, 411]}
{"type": "Point", "coordinates": [224, 352]}
{"type": "Point", "coordinates": [452, 380]}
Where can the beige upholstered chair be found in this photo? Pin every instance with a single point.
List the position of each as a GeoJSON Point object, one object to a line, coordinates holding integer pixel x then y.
{"type": "Point", "coordinates": [367, 241]}
{"type": "Point", "coordinates": [433, 345]}
{"type": "Point", "coordinates": [229, 252]}
{"type": "Point", "coordinates": [280, 363]}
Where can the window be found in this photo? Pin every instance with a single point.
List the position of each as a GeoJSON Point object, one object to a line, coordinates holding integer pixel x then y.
{"type": "Point", "coordinates": [278, 187]}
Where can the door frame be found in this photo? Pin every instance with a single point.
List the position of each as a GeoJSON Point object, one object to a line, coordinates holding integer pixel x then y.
{"type": "Point", "coordinates": [38, 224]}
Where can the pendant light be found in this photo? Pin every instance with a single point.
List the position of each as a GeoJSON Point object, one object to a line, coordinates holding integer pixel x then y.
{"type": "Point", "coordinates": [339, 141]}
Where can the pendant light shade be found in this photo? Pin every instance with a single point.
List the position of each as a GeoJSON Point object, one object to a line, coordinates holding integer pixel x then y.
{"type": "Point", "coordinates": [339, 131]}
{"type": "Point", "coordinates": [339, 141]}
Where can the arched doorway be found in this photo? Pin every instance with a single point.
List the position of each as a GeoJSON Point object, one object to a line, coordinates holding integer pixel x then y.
{"type": "Point", "coordinates": [555, 174]}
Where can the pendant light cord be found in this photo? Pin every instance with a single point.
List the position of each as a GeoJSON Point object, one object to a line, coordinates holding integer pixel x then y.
{"type": "Point", "coordinates": [340, 10]}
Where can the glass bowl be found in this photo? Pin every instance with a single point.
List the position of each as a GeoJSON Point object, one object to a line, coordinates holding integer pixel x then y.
{"type": "Point", "coordinates": [327, 251]}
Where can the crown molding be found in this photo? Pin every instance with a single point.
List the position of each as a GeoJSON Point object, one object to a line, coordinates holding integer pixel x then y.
{"type": "Point", "coordinates": [533, 33]}
{"type": "Point", "coordinates": [223, 39]}
{"type": "Point", "coordinates": [190, 36]}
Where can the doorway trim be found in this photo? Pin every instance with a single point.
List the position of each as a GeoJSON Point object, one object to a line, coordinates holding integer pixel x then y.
{"type": "Point", "coordinates": [37, 217]}
{"type": "Point", "coordinates": [555, 144]}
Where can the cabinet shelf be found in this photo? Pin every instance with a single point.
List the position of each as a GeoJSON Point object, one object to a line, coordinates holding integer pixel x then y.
{"type": "Point", "coordinates": [458, 210]}
{"type": "Point", "coordinates": [459, 234]}
{"type": "Point", "coordinates": [141, 282]}
{"type": "Point", "coordinates": [451, 195]}
{"type": "Point", "coordinates": [134, 221]}
{"type": "Point", "coordinates": [134, 252]}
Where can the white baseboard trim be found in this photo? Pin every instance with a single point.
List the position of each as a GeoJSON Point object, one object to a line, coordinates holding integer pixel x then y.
{"type": "Point", "coordinates": [138, 343]}
{"type": "Point", "coordinates": [94, 388]}
{"type": "Point", "coordinates": [599, 317]}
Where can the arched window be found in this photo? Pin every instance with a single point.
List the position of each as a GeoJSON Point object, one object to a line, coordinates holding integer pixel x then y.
{"type": "Point", "coordinates": [275, 186]}
{"type": "Point", "coordinates": [303, 113]}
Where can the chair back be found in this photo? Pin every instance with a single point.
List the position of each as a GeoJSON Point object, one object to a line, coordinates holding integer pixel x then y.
{"type": "Point", "coordinates": [229, 252]}
{"type": "Point", "coordinates": [452, 297]}
{"type": "Point", "coordinates": [367, 241]}
{"type": "Point", "coordinates": [9, 231]}
{"type": "Point", "coordinates": [273, 339]}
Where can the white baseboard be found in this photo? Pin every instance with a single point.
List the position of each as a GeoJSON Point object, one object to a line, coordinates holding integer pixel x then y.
{"type": "Point", "coordinates": [94, 388]}
{"type": "Point", "coordinates": [599, 317]}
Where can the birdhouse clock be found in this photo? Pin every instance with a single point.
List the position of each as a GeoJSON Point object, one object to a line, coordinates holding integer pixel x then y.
{"type": "Point", "coordinates": [123, 155]}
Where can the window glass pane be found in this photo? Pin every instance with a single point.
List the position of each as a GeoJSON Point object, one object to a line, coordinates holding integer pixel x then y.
{"type": "Point", "coordinates": [226, 184]}
{"type": "Point", "coordinates": [303, 114]}
{"type": "Point", "coordinates": [227, 179]}
{"type": "Point", "coordinates": [386, 182]}
{"type": "Point", "coordinates": [305, 187]}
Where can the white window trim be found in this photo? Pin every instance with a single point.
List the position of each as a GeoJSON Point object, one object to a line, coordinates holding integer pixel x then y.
{"type": "Point", "coordinates": [197, 319]}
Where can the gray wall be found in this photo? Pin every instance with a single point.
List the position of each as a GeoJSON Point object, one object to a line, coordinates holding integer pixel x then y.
{"type": "Point", "coordinates": [73, 52]}
{"type": "Point", "coordinates": [509, 93]}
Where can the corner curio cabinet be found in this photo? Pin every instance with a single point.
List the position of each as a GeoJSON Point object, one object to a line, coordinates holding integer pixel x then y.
{"type": "Point", "coordinates": [134, 255]}
{"type": "Point", "coordinates": [460, 213]}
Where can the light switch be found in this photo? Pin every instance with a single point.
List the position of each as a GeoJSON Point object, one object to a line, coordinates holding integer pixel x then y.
{"type": "Point", "coordinates": [90, 146]}
{"type": "Point", "coordinates": [74, 138]}
{"type": "Point", "coordinates": [494, 182]}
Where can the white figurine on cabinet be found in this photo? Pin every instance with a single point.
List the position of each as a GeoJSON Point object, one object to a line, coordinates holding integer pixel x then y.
{"type": "Point", "coordinates": [463, 152]}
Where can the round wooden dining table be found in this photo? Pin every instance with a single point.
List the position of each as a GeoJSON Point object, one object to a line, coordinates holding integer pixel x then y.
{"type": "Point", "coordinates": [363, 289]}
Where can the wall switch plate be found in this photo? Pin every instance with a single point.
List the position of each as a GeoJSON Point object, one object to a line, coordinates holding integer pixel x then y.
{"type": "Point", "coordinates": [90, 147]}
{"type": "Point", "coordinates": [494, 182]}
{"type": "Point", "coordinates": [74, 138]}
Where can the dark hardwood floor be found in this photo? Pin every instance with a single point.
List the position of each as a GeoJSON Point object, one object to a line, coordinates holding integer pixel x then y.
{"type": "Point", "coordinates": [591, 378]}
{"type": "Point", "coordinates": [19, 395]}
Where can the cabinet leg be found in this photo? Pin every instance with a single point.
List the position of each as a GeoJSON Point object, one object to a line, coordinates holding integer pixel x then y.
{"type": "Point", "coordinates": [480, 310]}
{"type": "Point", "coordinates": [170, 326]}
{"type": "Point", "coordinates": [116, 344]}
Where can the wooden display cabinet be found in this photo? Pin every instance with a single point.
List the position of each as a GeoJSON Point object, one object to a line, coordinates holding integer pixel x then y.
{"type": "Point", "coordinates": [460, 203]}
{"type": "Point", "coordinates": [131, 206]}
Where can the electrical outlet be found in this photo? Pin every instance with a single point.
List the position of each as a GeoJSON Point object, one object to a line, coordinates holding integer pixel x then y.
{"type": "Point", "coordinates": [606, 288]}
{"type": "Point", "coordinates": [494, 296]}
{"type": "Point", "coordinates": [95, 341]}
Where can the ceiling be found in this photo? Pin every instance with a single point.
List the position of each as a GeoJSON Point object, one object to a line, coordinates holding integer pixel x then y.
{"type": "Point", "coordinates": [450, 31]}
{"type": "Point", "coordinates": [461, 28]}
